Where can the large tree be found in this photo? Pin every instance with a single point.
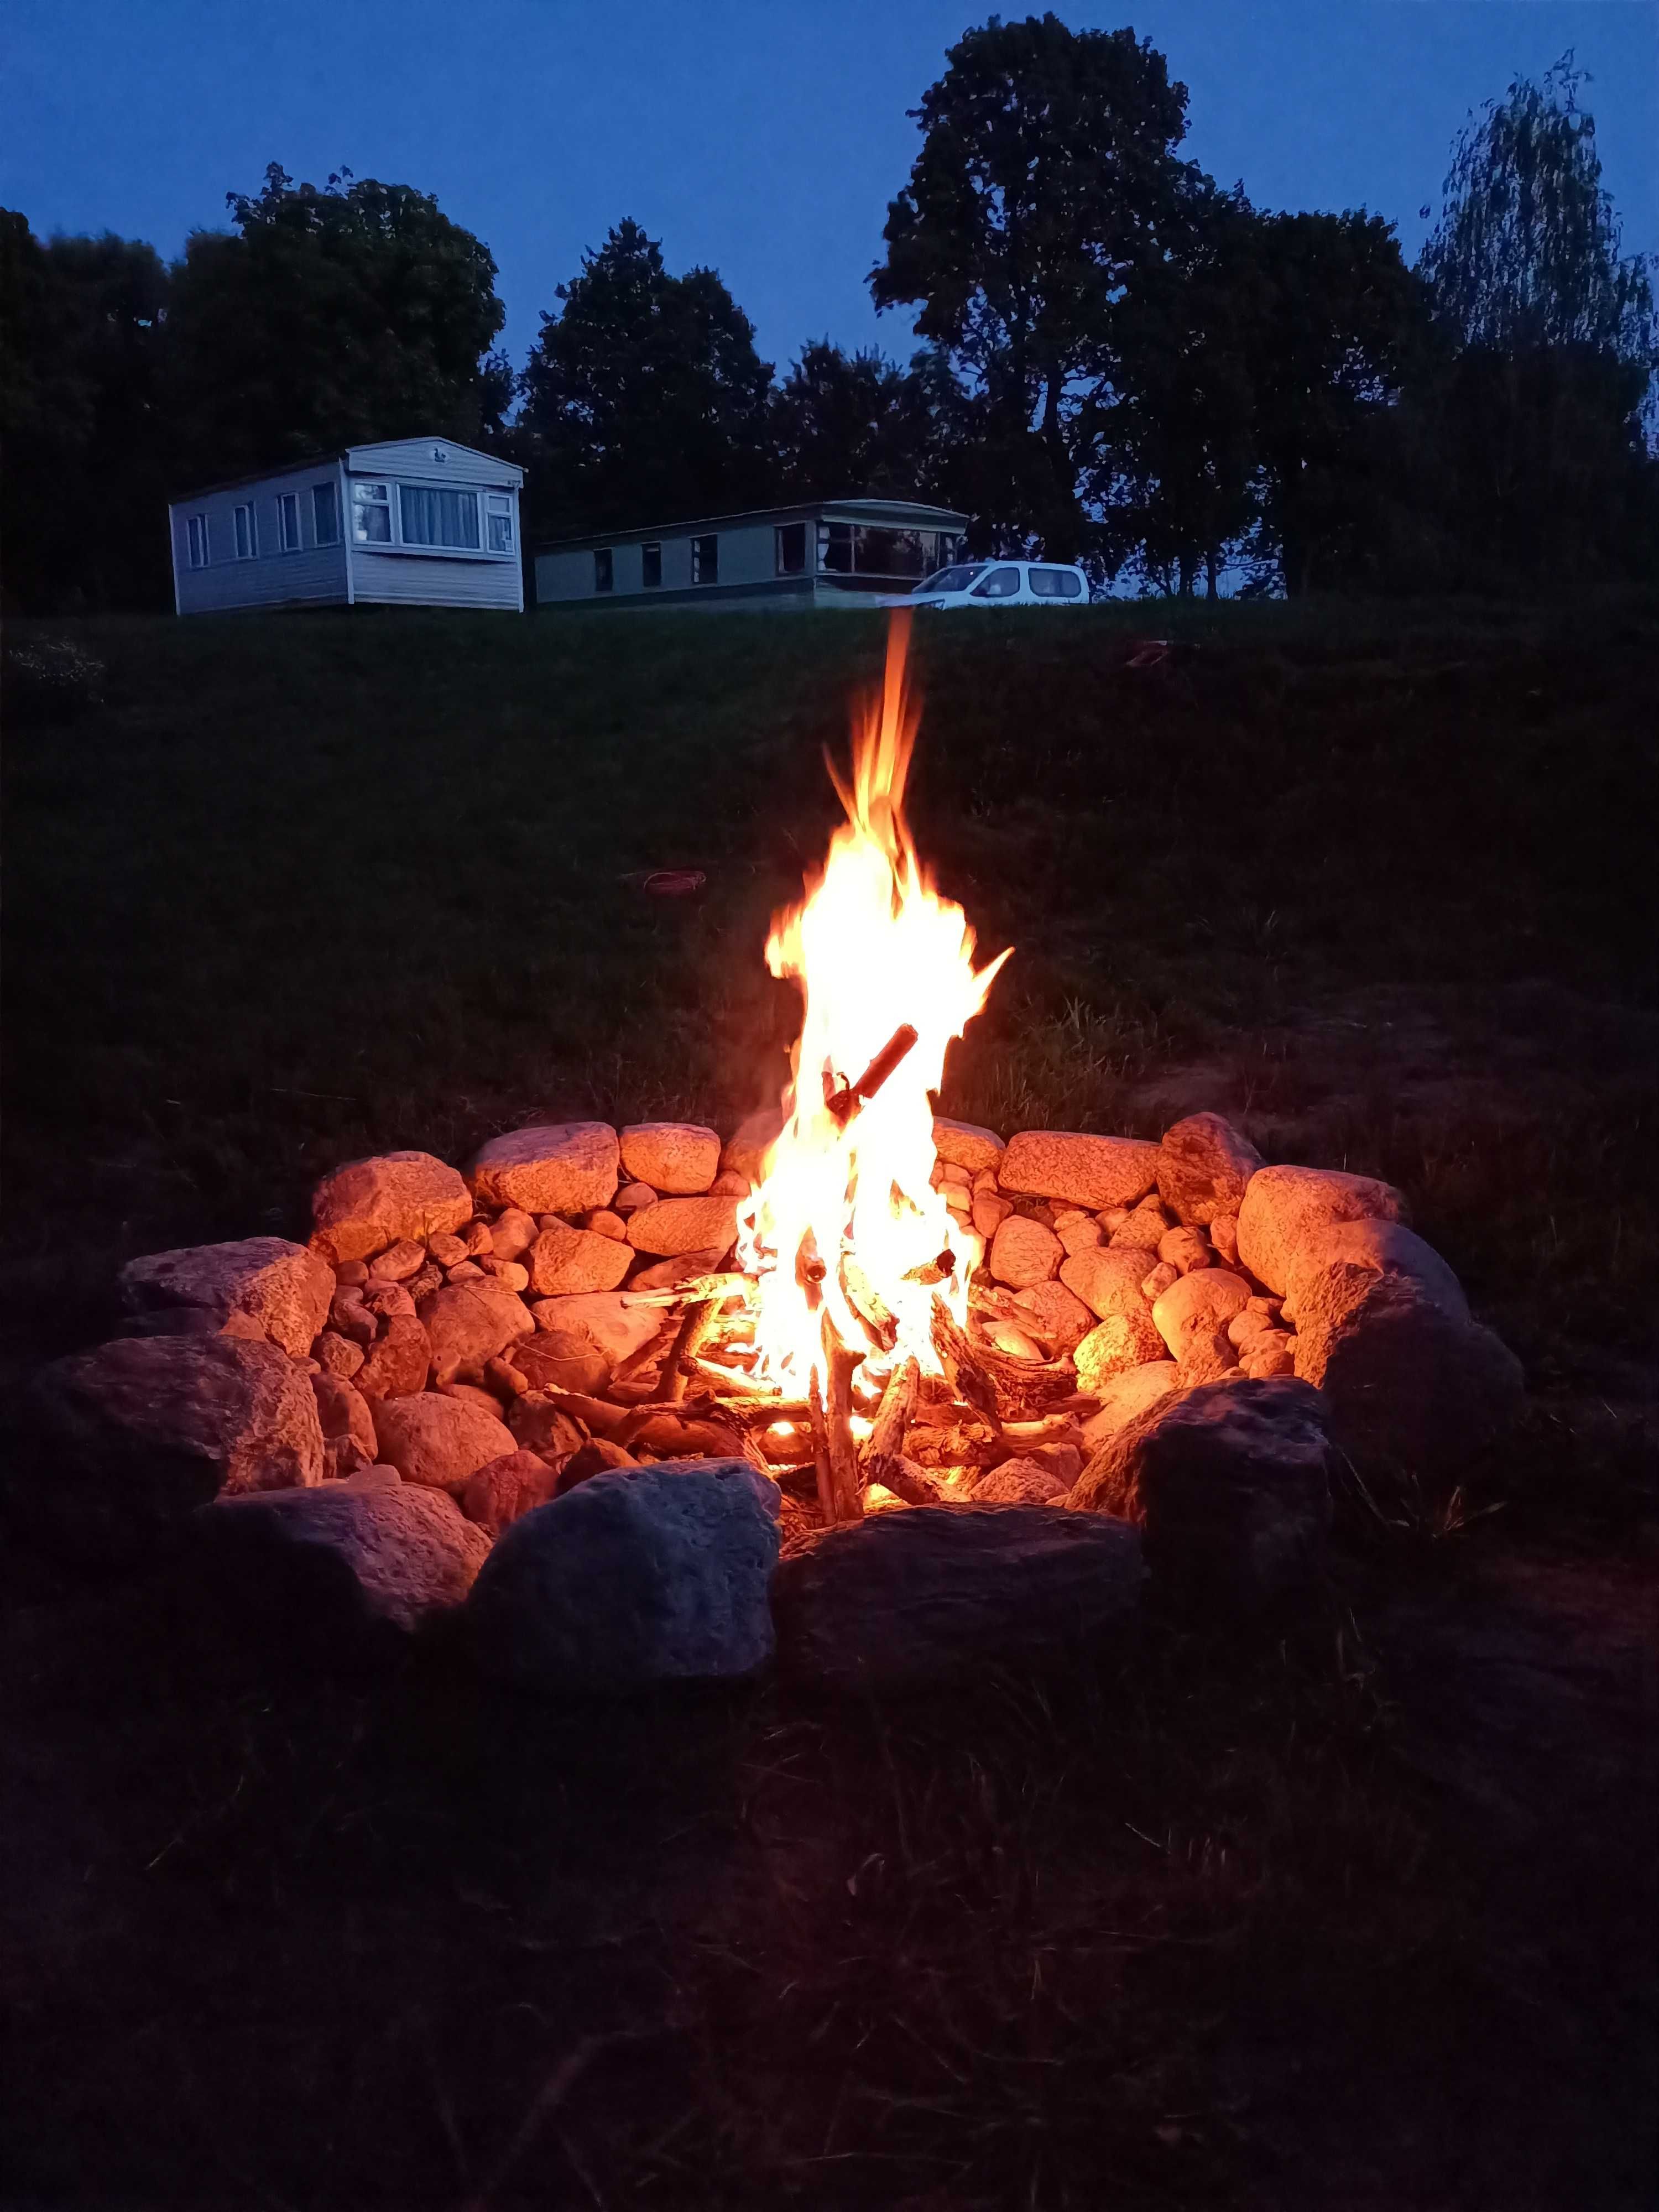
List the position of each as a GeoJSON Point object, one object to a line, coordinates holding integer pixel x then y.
{"type": "Point", "coordinates": [858, 423]}
{"type": "Point", "coordinates": [644, 397]}
{"type": "Point", "coordinates": [1533, 428]}
{"type": "Point", "coordinates": [1046, 186]}
{"type": "Point", "coordinates": [334, 314]}
{"type": "Point", "coordinates": [87, 450]}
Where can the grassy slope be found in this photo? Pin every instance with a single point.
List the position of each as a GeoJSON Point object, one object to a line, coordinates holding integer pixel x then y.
{"type": "Point", "coordinates": [1378, 880]}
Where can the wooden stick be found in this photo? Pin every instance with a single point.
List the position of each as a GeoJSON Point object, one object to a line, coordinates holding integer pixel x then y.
{"type": "Point", "coordinates": [884, 1451]}
{"type": "Point", "coordinates": [839, 1362]}
{"type": "Point", "coordinates": [961, 1363]}
{"type": "Point", "coordinates": [880, 1321]}
{"type": "Point", "coordinates": [821, 1452]}
{"type": "Point", "coordinates": [694, 1289]}
{"type": "Point", "coordinates": [682, 1363]}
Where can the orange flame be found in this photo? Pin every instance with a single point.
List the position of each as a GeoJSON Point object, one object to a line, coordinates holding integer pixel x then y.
{"type": "Point", "coordinates": [873, 947]}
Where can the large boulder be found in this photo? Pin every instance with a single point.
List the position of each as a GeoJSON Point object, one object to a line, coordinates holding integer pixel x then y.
{"type": "Point", "coordinates": [135, 1434]}
{"type": "Point", "coordinates": [1196, 1308]}
{"type": "Point", "coordinates": [367, 1205]}
{"type": "Point", "coordinates": [744, 1151]}
{"type": "Point", "coordinates": [563, 1261]}
{"type": "Point", "coordinates": [1409, 1377]}
{"type": "Point", "coordinates": [1121, 1342]}
{"type": "Point", "coordinates": [966, 1144]}
{"type": "Point", "coordinates": [559, 1360]}
{"type": "Point", "coordinates": [603, 1319]}
{"type": "Point", "coordinates": [439, 1442]}
{"type": "Point", "coordinates": [336, 1563]}
{"type": "Point", "coordinates": [399, 1361]}
{"type": "Point", "coordinates": [283, 1288]}
{"type": "Point", "coordinates": [907, 1599]}
{"type": "Point", "coordinates": [1107, 1278]}
{"type": "Point", "coordinates": [1284, 1208]}
{"type": "Point", "coordinates": [1123, 1397]}
{"type": "Point", "coordinates": [1023, 1252]}
{"type": "Point", "coordinates": [468, 1324]}
{"type": "Point", "coordinates": [564, 1167]}
{"type": "Point", "coordinates": [1204, 1165]}
{"type": "Point", "coordinates": [504, 1489]}
{"type": "Point", "coordinates": [676, 1225]}
{"type": "Point", "coordinates": [1229, 1485]}
{"type": "Point", "coordinates": [641, 1575]}
{"type": "Point", "coordinates": [1091, 1172]}
{"type": "Point", "coordinates": [677, 1158]}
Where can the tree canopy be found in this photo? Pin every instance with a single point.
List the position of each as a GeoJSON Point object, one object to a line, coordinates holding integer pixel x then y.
{"type": "Point", "coordinates": [644, 396]}
{"type": "Point", "coordinates": [332, 315]}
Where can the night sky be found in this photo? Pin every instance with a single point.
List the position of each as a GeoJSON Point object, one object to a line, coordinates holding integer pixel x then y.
{"type": "Point", "coordinates": [763, 137]}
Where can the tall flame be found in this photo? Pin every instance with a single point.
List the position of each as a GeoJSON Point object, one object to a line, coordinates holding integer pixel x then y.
{"type": "Point", "coordinates": [874, 948]}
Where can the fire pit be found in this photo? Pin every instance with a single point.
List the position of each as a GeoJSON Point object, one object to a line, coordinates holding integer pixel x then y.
{"type": "Point", "coordinates": [850, 1309]}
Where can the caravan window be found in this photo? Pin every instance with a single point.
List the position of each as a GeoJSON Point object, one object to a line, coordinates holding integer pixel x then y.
{"type": "Point", "coordinates": [325, 521]}
{"type": "Point", "coordinates": [371, 514]}
{"type": "Point", "coordinates": [604, 575]}
{"type": "Point", "coordinates": [791, 549]}
{"type": "Point", "coordinates": [195, 532]}
{"type": "Point", "coordinates": [705, 560]}
{"type": "Point", "coordinates": [651, 566]}
{"type": "Point", "coordinates": [499, 520]}
{"type": "Point", "coordinates": [431, 515]}
{"type": "Point", "coordinates": [247, 535]}
{"type": "Point", "coordinates": [288, 520]}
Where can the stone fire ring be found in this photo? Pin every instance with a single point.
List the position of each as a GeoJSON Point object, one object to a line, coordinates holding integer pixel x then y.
{"type": "Point", "coordinates": [454, 1401]}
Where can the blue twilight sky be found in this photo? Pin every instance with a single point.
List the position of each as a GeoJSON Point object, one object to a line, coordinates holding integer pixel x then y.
{"type": "Point", "coordinates": [763, 137]}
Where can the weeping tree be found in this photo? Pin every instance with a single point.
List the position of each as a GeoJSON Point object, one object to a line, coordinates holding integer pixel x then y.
{"type": "Point", "coordinates": [1537, 420]}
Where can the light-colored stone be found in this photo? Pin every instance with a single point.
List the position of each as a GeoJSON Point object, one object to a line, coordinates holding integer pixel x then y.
{"type": "Point", "coordinates": [372, 1554]}
{"type": "Point", "coordinates": [562, 1260]}
{"type": "Point", "coordinates": [728, 1183]}
{"type": "Point", "coordinates": [350, 1315]}
{"type": "Point", "coordinates": [400, 1362]}
{"type": "Point", "coordinates": [664, 1274]}
{"type": "Point", "coordinates": [480, 1238]}
{"type": "Point", "coordinates": [601, 1316]}
{"type": "Point", "coordinates": [1223, 1238]}
{"type": "Point", "coordinates": [1107, 1281]}
{"type": "Point", "coordinates": [282, 1288]}
{"type": "Point", "coordinates": [947, 1172]}
{"type": "Point", "coordinates": [424, 1282]}
{"type": "Point", "coordinates": [510, 1274]}
{"type": "Point", "coordinates": [1025, 1252]}
{"type": "Point", "coordinates": [366, 1205]}
{"type": "Point", "coordinates": [1266, 1358]}
{"type": "Point", "coordinates": [1124, 1396]}
{"type": "Point", "coordinates": [137, 1433]}
{"type": "Point", "coordinates": [398, 1262]}
{"type": "Point", "coordinates": [563, 1167]}
{"type": "Point", "coordinates": [439, 1440]}
{"type": "Point", "coordinates": [467, 1324]}
{"type": "Point", "coordinates": [1143, 1228]}
{"type": "Point", "coordinates": [988, 1213]}
{"type": "Point", "coordinates": [351, 1272]}
{"type": "Point", "coordinates": [679, 1159]}
{"type": "Point", "coordinates": [965, 1145]}
{"type": "Point", "coordinates": [641, 1575]}
{"type": "Point", "coordinates": [504, 1489]}
{"type": "Point", "coordinates": [1204, 1165]}
{"type": "Point", "coordinates": [676, 1225]}
{"type": "Point", "coordinates": [633, 1195]}
{"type": "Point", "coordinates": [561, 1360]}
{"type": "Point", "coordinates": [1198, 1306]}
{"type": "Point", "coordinates": [1384, 1329]}
{"type": "Point", "coordinates": [467, 1270]}
{"type": "Point", "coordinates": [512, 1233]}
{"type": "Point", "coordinates": [1078, 1232]}
{"type": "Point", "coordinates": [1086, 1172]}
{"type": "Point", "coordinates": [902, 1601]}
{"type": "Point", "coordinates": [1007, 1336]}
{"type": "Point", "coordinates": [336, 1354]}
{"type": "Point", "coordinates": [1285, 1208]}
{"type": "Point", "coordinates": [1160, 1280]}
{"type": "Point", "coordinates": [1230, 1485]}
{"type": "Point", "coordinates": [1057, 1314]}
{"type": "Point", "coordinates": [1122, 1339]}
{"type": "Point", "coordinates": [447, 1249]}
{"type": "Point", "coordinates": [744, 1151]}
{"type": "Point", "coordinates": [542, 1422]}
{"type": "Point", "coordinates": [507, 1381]}
{"type": "Point", "coordinates": [1019, 1482]}
{"type": "Point", "coordinates": [602, 1222]}
{"type": "Point", "coordinates": [1185, 1250]}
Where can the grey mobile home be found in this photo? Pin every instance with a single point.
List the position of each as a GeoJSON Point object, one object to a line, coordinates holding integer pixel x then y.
{"type": "Point", "coordinates": [411, 522]}
{"type": "Point", "coordinates": [842, 552]}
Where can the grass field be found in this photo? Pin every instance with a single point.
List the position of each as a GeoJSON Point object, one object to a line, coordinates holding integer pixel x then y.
{"type": "Point", "coordinates": [1234, 1926]}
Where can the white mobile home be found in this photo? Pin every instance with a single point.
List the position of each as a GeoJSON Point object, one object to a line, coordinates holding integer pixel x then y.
{"type": "Point", "coordinates": [413, 522]}
{"type": "Point", "coordinates": [840, 552]}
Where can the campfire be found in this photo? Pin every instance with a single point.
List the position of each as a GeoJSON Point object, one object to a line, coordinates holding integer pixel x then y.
{"type": "Point", "coordinates": [850, 1308]}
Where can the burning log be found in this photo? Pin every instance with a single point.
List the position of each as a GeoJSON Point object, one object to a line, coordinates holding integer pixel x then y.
{"type": "Point", "coordinates": [844, 1104]}
{"type": "Point", "coordinates": [683, 1362]}
{"type": "Point", "coordinates": [884, 1450]}
{"type": "Point", "coordinates": [719, 1287]}
{"type": "Point", "coordinates": [880, 1321]}
{"type": "Point", "coordinates": [962, 1364]}
{"type": "Point", "coordinates": [996, 1384]}
{"type": "Point", "coordinates": [831, 1410]}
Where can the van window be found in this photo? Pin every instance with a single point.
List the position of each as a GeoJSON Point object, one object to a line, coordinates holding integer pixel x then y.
{"type": "Point", "coordinates": [953, 579]}
{"type": "Point", "coordinates": [651, 566]}
{"type": "Point", "coordinates": [604, 574]}
{"type": "Point", "coordinates": [1000, 584]}
{"type": "Point", "coordinates": [1055, 584]}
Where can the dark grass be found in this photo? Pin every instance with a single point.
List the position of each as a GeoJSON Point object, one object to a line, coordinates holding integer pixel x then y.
{"type": "Point", "coordinates": [1184, 1926]}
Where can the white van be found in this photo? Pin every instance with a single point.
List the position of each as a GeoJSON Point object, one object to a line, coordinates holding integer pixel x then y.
{"type": "Point", "coordinates": [1003, 584]}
